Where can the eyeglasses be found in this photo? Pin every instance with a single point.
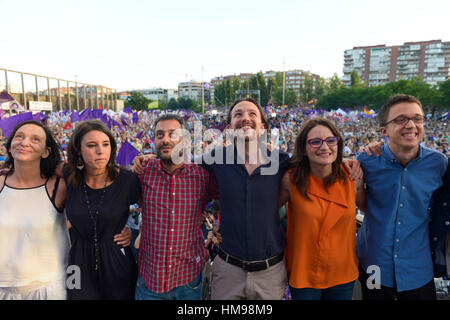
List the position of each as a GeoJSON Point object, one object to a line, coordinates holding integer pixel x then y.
{"type": "Point", "coordinates": [317, 142]}
{"type": "Point", "coordinates": [402, 120]}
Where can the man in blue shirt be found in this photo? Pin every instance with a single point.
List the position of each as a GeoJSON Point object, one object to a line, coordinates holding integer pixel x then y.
{"type": "Point", "coordinates": [393, 244]}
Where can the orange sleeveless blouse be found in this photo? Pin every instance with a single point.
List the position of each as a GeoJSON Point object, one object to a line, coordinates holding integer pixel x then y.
{"type": "Point", "coordinates": [321, 235]}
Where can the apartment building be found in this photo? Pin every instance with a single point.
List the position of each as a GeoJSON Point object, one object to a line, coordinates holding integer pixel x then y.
{"type": "Point", "coordinates": [380, 64]}
{"type": "Point", "coordinates": [193, 90]}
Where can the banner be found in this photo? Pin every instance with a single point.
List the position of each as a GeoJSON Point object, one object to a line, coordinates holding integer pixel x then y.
{"type": "Point", "coordinates": [40, 106]}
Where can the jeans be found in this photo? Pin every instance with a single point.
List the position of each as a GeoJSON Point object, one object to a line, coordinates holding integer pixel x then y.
{"type": "Point", "coordinates": [190, 291]}
{"type": "Point", "coordinates": [134, 235]}
{"type": "Point", "coordinates": [339, 292]}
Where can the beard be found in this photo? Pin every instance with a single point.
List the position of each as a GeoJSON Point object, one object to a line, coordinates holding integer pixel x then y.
{"type": "Point", "coordinates": [167, 157]}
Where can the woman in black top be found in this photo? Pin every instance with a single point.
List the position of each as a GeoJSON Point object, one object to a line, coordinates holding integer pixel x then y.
{"type": "Point", "coordinates": [99, 194]}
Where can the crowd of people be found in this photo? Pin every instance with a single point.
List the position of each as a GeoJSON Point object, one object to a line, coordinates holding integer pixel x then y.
{"type": "Point", "coordinates": [68, 170]}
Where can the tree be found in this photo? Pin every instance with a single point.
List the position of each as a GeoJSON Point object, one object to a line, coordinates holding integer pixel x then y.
{"type": "Point", "coordinates": [219, 94]}
{"type": "Point", "coordinates": [319, 87]}
{"type": "Point", "coordinates": [306, 92]}
{"type": "Point", "coordinates": [335, 83]}
{"type": "Point", "coordinates": [229, 93]}
{"type": "Point", "coordinates": [264, 92]}
{"type": "Point", "coordinates": [355, 80]}
{"type": "Point", "coordinates": [444, 94]}
{"type": "Point", "coordinates": [137, 101]}
{"type": "Point", "coordinates": [173, 104]}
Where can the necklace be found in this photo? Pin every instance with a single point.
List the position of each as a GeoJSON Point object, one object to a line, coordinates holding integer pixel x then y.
{"type": "Point", "coordinates": [94, 217]}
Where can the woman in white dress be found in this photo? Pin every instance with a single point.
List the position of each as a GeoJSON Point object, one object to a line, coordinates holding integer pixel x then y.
{"type": "Point", "coordinates": [33, 229]}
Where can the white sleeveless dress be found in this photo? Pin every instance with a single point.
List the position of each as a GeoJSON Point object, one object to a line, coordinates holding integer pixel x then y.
{"type": "Point", "coordinates": [34, 246]}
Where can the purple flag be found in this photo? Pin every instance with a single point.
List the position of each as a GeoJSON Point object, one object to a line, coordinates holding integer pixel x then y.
{"type": "Point", "coordinates": [10, 123]}
{"type": "Point", "coordinates": [140, 134]}
{"type": "Point", "coordinates": [97, 114]}
{"type": "Point", "coordinates": [135, 117]}
{"type": "Point", "coordinates": [5, 97]}
{"type": "Point", "coordinates": [127, 110]}
{"type": "Point", "coordinates": [221, 126]}
{"type": "Point", "coordinates": [37, 116]}
{"type": "Point", "coordinates": [124, 121]}
{"type": "Point", "coordinates": [106, 120]}
{"type": "Point", "coordinates": [126, 154]}
{"type": "Point", "coordinates": [74, 117]}
{"type": "Point", "coordinates": [115, 123]}
{"type": "Point", "coordinates": [2, 114]}
{"type": "Point", "coordinates": [86, 114]}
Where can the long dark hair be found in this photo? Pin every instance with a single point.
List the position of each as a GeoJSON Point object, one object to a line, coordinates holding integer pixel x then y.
{"type": "Point", "coordinates": [49, 164]}
{"type": "Point", "coordinates": [300, 162]}
{"type": "Point", "coordinates": [75, 176]}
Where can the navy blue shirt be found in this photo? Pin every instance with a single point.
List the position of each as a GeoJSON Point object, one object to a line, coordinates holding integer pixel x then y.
{"type": "Point", "coordinates": [249, 219]}
{"type": "Point", "coordinates": [395, 232]}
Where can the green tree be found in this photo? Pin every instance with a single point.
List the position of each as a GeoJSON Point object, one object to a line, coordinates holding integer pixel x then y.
{"type": "Point", "coordinates": [236, 86]}
{"type": "Point", "coordinates": [306, 91]}
{"type": "Point", "coordinates": [173, 104]}
{"type": "Point", "coordinates": [335, 83]}
{"type": "Point", "coordinates": [355, 80]}
{"type": "Point", "coordinates": [444, 94]}
{"type": "Point", "coordinates": [229, 93]}
{"type": "Point", "coordinates": [262, 86]}
{"type": "Point", "coordinates": [137, 101]}
{"type": "Point", "coordinates": [219, 94]}
{"type": "Point", "coordinates": [319, 87]}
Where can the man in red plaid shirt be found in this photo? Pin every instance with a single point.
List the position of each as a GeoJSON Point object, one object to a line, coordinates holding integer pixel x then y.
{"type": "Point", "coordinates": [172, 249]}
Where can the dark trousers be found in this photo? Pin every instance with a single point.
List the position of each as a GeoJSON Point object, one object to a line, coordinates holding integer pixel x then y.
{"type": "Point", "coordinates": [426, 292]}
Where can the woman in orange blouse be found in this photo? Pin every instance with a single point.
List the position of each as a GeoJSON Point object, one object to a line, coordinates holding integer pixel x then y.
{"type": "Point", "coordinates": [321, 227]}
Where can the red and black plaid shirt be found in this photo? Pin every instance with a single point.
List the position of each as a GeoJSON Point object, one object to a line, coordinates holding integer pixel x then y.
{"type": "Point", "coordinates": [172, 248]}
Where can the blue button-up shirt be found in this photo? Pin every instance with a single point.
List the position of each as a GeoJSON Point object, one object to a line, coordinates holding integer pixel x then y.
{"type": "Point", "coordinates": [395, 233]}
{"type": "Point", "coordinates": [249, 218]}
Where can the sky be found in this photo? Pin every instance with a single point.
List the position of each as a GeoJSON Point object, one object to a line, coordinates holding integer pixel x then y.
{"type": "Point", "coordinates": [136, 44]}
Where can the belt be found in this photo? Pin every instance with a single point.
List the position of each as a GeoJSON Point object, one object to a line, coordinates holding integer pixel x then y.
{"type": "Point", "coordinates": [250, 266]}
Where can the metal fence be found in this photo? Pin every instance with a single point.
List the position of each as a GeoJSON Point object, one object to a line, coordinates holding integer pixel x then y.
{"type": "Point", "coordinates": [63, 94]}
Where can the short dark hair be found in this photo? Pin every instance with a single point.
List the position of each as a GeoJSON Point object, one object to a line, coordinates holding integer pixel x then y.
{"type": "Point", "coordinates": [49, 164]}
{"type": "Point", "coordinates": [168, 116]}
{"type": "Point", "coordinates": [392, 101]}
{"type": "Point", "coordinates": [75, 176]}
{"type": "Point", "coordinates": [249, 99]}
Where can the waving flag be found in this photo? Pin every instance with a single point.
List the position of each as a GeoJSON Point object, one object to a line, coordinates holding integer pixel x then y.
{"type": "Point", "coordinates": [8, 124]}
{"type": "Point", "coordinates": [135, 118]}
{"type": "Point", "coordinates": [75, 116]}
{"type": "Point", "coordinates": [367, 111]}
{"type": "Point", "coordinates": [105, 119]}
{"type": "Point", "coordinates": [86, 114]}
{"type": "Point", "coordinates": [140, 134]}
{"type": "Point", "coordinates": [126, 155]}
{"type": "Point", "coordinates": [68, 125]}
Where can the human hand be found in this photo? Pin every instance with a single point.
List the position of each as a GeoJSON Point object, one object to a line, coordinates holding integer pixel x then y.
{"type": "Point", "coordinates": [140, 163]}
{"type": "Point", "coordinates": [353, 168]}
{"type": "Point", "coordinates": [373, 148]}
{"type": "Point", "coordinates": [124, 237]}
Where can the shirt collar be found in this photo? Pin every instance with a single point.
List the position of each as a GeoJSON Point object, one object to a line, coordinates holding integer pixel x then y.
{"type": "Point", "coordinates": [388, 155]}
{"type": "Point", "coordinates": [175, 173]}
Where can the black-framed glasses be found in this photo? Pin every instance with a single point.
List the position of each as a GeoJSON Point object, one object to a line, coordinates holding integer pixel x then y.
{"type": "Point", "coordinates": [402, 120]}
{"type": "Point", "coordinates": [317, 142]}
